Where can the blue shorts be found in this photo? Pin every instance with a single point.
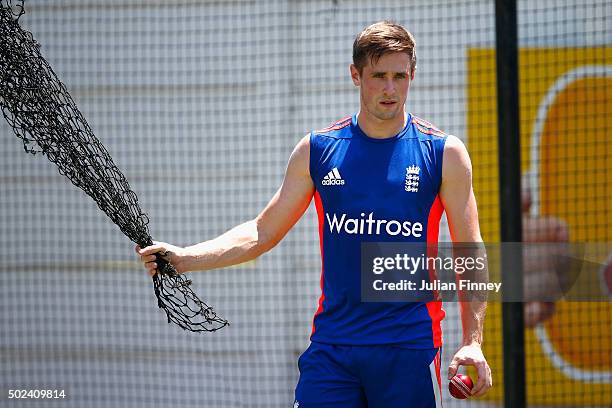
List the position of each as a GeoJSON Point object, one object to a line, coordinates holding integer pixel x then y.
{"type": "Point", "coordinates": [389, 376]}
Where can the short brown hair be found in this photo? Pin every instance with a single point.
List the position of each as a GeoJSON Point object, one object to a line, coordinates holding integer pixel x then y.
{"type": "Point", "coordinates": [382, 38]}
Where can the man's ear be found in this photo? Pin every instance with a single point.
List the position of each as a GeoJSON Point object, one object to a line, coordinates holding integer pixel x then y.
{"type": "Point", "coordinates": [355, 75]}
{"type": "Point", "coordinates": [412, 74]}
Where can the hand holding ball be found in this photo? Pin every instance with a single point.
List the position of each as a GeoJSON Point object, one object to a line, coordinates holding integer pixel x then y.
{"type": "Point", "coordinates": [460, 386]}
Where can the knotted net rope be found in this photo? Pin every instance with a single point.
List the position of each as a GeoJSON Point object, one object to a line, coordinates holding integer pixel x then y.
{"type": "Point", "coordinates": [38, 107]}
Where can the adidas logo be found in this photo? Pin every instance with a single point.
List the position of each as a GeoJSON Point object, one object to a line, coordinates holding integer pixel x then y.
{"type": "Point", "coordinates": [333, 178]}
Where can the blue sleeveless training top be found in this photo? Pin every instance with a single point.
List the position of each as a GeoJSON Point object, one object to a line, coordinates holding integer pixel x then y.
{"type": "Point", "coordinates": [374, 190]}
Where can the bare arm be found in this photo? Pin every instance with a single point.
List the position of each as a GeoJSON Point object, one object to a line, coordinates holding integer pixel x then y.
{"type": "Point", "coordinates": [459, 203]}
{"type": "Point", "coordinates": [249, 240]}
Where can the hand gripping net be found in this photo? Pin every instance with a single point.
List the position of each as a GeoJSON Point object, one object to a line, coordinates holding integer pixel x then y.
{"type": "Point", "coordinates": [42, 113]}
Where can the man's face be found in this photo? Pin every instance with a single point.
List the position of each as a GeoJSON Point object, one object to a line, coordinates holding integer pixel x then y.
{"type": "Point", "coordinates": [384, 85]}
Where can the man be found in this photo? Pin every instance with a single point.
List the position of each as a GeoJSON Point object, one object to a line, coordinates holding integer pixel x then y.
{"type": "Point", "coordinates": [366, 354]}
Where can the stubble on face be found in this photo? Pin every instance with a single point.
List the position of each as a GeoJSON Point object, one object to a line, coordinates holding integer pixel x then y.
{"type": "Point", "coordinates": [382, 100]}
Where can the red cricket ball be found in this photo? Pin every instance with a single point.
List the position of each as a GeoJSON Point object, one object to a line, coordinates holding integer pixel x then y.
{"type": "Point", "coordinates": [460, 386]}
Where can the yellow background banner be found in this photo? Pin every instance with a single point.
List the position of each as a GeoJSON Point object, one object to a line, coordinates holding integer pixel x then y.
{"type": "Point", "coordinates": [566, 160]}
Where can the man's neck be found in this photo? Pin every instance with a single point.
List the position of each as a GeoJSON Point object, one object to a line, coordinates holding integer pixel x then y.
{"type": "Point", "coordinates": [381, 129]}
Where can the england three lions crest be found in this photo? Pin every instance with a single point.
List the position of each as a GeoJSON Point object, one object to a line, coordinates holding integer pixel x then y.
{"type": "Point", "coordinates": [412, 179]}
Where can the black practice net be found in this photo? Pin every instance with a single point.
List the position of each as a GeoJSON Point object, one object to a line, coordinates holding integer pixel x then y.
{"type": "Point", "coordinates": [44, 116]}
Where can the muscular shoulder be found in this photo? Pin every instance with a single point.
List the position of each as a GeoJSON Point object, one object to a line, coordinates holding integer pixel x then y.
{"type": "Point", "coordinates": [302, 148]}
{"type": "Point", "coordinates": [300, 157]}
{"type": "Point", "coordinates": [456, 163]}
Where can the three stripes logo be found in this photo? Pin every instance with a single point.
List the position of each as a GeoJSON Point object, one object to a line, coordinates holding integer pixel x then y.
{"type": "Point", "coordinates": [333, 178]}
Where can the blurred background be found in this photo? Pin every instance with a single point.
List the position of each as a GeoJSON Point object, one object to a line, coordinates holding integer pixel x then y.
{"type": "Point", "coordinates": [200, 104]}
